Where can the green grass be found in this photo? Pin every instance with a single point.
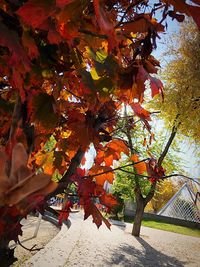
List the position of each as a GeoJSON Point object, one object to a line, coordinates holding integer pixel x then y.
{"type": "Point", "coordinates": [172, 228]}
{"type": "Point", "coordinates": [169, 227]}
{"type": "Point", "coordinates": [162, 226]}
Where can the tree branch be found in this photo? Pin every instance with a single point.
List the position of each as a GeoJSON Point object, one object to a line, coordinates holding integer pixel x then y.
{"type": "Point", "coordinates": [165, 151]}
{"type": "Point", "coordinates": [137, 2]}
{"type": "Point", "coordinates": [115, 169]}
{"type": "Point", "coordinates": [65, 184]}
{"type": "Point", "coordinates": [151, 193]}
{"type": "Point", "coordinates": [16, 117]}
{"type": "Point", "coordinates": [75, 162]}
{"type": "Point", "coordinates": [163, 177]}
{"type": "Point", "coordinates": [94, 34]}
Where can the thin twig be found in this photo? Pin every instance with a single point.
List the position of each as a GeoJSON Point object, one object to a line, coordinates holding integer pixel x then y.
{"type": "Point", "coordinates": [15, 117]}
{"type": "Point", "coordinates": [73, 94]}
{"type": "Point", "coordinates": [115, 169]}
{"type": "Point", "coordinates": [169, 142]}
{"type": "Point", "coordinates": [29, 249]}
{"type": "Point", "coordinates": [161, 177]}
{"type": "Point", "coordinates": [127, 10]}
{"type": "Point", "coordinates": [94, 34]}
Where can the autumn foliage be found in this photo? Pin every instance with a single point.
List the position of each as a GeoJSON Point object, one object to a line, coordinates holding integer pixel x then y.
{"type": "Point", "coordinates": [67, 69]}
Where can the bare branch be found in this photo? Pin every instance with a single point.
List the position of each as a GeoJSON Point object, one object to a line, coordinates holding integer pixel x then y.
{"type": "Point", "coordinates": [165, 151]}
{"type": "Point", "coordinates": [16, 117]}
{"type": "Point", "coordinates": [115, 169]}
{"type": "Point", "coordinates": [94, 34]}
{"type": "Point", "coordinates": [137, 2]}
{"type": "Point", "coordinates": [75, 162]}
{"type": "Point", "coordinates": [162, 177]}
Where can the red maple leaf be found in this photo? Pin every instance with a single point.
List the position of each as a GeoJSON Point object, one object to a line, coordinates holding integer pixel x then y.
{"type": "Point", "coordinates": [64, 213]}
{"type": "Point", "coordinates": [154, 171]}
{"type": "Point", "coordinates": [105, 24]}
{"type": "Point", "coordinates": [91, 210]}
{"type": "Point", "coordinates": [34, 12]}
{"type": "Point", "coordinates": [156, 86]}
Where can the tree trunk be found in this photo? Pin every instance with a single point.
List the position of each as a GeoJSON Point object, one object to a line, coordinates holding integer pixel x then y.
{"type": "Point", "coordinates": [140, 205]}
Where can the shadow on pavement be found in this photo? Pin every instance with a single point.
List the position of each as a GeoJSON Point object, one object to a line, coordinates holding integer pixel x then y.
{"type": "Point", "coordinates": [127, 255]}
{"type": "Point", "coordinates": [119, 224]}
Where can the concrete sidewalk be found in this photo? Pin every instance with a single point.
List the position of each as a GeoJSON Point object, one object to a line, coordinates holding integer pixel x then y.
{"type": "Point", "coordinates": [83, 245]}
{"type": "Point", "coordinates": [47, 231]}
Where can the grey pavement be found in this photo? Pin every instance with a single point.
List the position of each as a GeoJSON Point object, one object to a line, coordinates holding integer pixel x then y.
{"type": "Point", "coordinates": [83, 245]}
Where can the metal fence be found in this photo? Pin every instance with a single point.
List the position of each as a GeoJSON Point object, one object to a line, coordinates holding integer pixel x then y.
{"type": "Point", "coordinates": [183, 205]}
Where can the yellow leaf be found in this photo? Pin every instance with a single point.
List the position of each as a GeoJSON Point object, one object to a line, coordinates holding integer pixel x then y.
{"type": "Point", "coordinates": [94, 74]}
{"type": "Point", "coordinates": [133, 35]}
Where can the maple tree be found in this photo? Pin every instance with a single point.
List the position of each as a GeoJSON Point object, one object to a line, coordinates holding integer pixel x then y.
{"type": "Point", "coordinates": [67, 67]}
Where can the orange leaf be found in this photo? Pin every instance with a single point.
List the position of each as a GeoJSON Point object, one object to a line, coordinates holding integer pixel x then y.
{"type": "Point", "coordinates": [119, 146]}
{"type": "Point", "coordinates": [140, 167]}
{"type": "Point", "coordinates": [101, 178]}
{"type": "Point", "coordinates": [108, 200]}
{"type": "Point", "coordinates": [45, 160]}
{"type": "Point", "coordinates": [134, 158]}
{"type": "Point", "coordinates": [140, 111]}
{"type": "Point", "coordinates": [144, 142]}
{"type": "Point", "coordinates": [143, 24]}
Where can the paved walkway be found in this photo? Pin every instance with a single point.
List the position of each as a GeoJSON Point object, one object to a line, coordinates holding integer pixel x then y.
{"type": "Point", "coordinates": [47, 231]}
{"type": "Point", "coordinates": [85, 246]}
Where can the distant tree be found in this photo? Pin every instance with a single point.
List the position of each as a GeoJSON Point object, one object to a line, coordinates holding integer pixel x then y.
{"type": "Point", "coordinates": [181, 77]}
{"type": "Point", "coordinates": [165, 190]}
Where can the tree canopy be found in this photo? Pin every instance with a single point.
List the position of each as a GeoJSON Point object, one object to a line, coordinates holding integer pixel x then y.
{"type": "Point", "coordinates": [182, 83]}
{"type": "Point", "coordinates": [67, 67]}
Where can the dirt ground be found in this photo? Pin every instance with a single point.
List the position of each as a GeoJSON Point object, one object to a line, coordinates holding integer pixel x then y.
{"type": "Point", "coordinates": [46, 232]}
